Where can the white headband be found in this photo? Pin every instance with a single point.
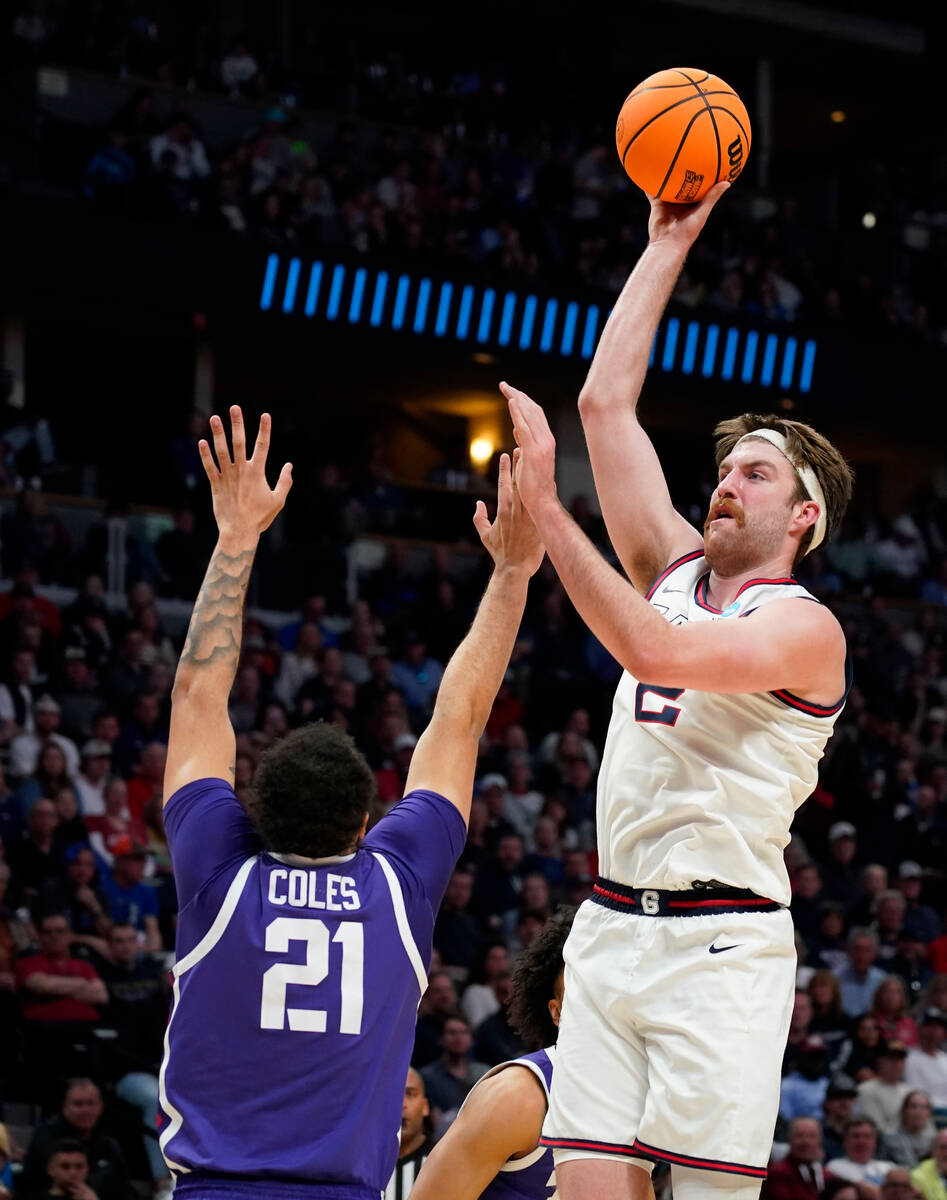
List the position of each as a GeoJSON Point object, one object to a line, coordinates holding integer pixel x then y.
{"type": "Point", "coordinates": [806, 474]}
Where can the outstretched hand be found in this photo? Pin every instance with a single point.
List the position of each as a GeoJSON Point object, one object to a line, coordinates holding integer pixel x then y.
{"type": "Point", "coordinates": [243, 501]}
{"type": "Point", "coordinates": [679, 224]}
{"type": "Point", "coordinates": [511, 539]}
{"type": "Point", "coordinates": [534, 473]}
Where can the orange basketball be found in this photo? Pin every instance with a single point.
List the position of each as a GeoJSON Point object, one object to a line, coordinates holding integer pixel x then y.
{"type": "Point", "coordinates": [680, 132]}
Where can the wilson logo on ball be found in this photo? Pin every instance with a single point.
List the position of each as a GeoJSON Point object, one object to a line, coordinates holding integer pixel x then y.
{"type": "Point", "coordinates": [735, 154]}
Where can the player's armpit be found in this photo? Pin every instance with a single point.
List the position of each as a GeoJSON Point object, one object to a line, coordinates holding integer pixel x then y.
{"type": "Point", "coordinates": [501, 1119]}
{"type": "Point", "coordinates": [201, 744]}
{"type": "Point", "coordinates": [792, 645]}
{"type": "Point", "coordinates": [645, 529]}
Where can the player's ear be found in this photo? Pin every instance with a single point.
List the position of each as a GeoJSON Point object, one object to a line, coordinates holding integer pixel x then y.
{"type": "Point", "coordinates": [555, 1010]}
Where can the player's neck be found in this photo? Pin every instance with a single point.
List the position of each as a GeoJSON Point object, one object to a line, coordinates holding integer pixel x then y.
{"type": "Point", "coordinates": [722, 589]}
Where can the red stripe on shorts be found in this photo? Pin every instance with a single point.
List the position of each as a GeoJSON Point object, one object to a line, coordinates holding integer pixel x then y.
{"type": "Point", "coordinates": [703, 1164]}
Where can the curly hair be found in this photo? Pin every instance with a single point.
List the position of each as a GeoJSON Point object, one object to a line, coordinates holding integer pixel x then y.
{"type": "Point", "coordinates": [803, 444]}
{"type": "Point", "coordinates": [534, 981]}
{"type": "Point", "coordinates": [311, 792]}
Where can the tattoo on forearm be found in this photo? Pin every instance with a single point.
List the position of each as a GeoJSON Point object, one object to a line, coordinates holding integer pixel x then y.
{"type": "Point", "coordinates": [216, 627]}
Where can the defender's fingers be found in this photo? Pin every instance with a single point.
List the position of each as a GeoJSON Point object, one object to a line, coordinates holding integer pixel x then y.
{"type": "Point", "coordinates": [221, 449]}
{"type": "Point", "coordinates": [263, 438]}
{"type": "Point", "coordinates": [284, 483]}
{"type": "Point", "coordinates": [238, 434]}
{"type": "Point", "coordinates": [207, 460]}
{"type": "Point", "coordinates": [481, 520]}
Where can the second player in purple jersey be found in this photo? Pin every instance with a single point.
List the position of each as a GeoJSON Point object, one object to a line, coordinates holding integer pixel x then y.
{"type": "Point", "coordinates": [492, 1151]}
{"type": "Point", "coordinates": [300, 979]}
{"type": "Point", "coordinates": [303, 942]}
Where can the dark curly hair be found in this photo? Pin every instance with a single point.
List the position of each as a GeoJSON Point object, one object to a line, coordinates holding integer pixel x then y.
{"type": "Point", "coordinates": [311, 792]}
{"type": "Point", "coordinates": [534, 981]}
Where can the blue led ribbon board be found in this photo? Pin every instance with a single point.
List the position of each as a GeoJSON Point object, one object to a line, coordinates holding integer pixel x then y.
{"type": "Point", "coordinates": [374, 298]}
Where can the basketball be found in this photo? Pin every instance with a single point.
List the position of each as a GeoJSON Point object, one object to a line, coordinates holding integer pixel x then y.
{"type": "Point", "coordinates": [680, 132]}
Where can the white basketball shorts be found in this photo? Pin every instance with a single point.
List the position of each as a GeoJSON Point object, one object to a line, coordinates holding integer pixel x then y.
{"type": "Point", "coordinates": [672, 1037]}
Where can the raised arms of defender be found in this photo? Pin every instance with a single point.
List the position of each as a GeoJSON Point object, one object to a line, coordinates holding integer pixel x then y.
{"type": "Point", "coordinates": [645, 529]}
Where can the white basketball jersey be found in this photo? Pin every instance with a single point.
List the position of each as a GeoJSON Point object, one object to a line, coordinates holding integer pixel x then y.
{"type": "Point", "coordinates": [699, 786]}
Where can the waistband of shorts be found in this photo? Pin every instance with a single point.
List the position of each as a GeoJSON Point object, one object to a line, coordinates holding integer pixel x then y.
{"type": "Point", "coordinates": [236, 1187]}
{"type": "Point", "coordinates": [694, 902]}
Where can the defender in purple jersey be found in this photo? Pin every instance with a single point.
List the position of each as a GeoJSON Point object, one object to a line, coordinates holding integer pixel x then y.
{"type": "Point", "coordinates": [303, 943]}
{"type": "Point", "coordinates": [492, 1150]}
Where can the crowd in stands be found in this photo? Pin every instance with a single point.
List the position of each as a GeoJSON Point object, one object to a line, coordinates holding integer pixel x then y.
{"type": "Point", "coordinates": [87, 903]}
{"type": "Point", "coordinates": [450, 173]}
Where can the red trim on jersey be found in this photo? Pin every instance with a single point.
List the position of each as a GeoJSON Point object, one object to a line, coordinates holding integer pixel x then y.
{"type": "Point", "coordinates": [703, 1164]}
{"type": "Point", "coordinates": [700, 591]}
{"type": "Point", "coordinates": [672, 567]}
{"type": "Point", "coordinates": [613, 895]}
{"type": "Point", "coordinates": [719, 903]}
{"type": "Point", "coordinates": [578, 1144]}
{"type": "Point", "coordinates": [807, 706]}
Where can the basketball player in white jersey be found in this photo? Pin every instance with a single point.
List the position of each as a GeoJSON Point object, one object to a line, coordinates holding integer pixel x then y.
{"type": "Point", "coordinates": [680, 969]}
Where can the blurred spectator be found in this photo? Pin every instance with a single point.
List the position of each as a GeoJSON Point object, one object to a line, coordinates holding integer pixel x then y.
{"type": "Point", "coordinates": [857, 1162]}
{"type": "Point", "coordinates": [860, 978]}
{"type": "Point", "coordinates": [185, 151]}
{"type": "Point", "coordinates": [456, 932]}
{"type": "Point", "coordinates": [836, 1112]}
{"type": "Point", "coordinates": [800, 1175]}
{"type": "Point", "coordinates": [914, 1136]}
{"type": "Point", "coordinates": [930, 1177]}
{"type": "Point", "coordinates": [881, 1098]}
{"type": "Point", "coordinates": [839, 874]}
{"type": "Point", "coordinates": [437, 1004]}
{"type": "Point", "coordinates": [90, 782]}
{"type": "Point", "coordinates": [25, 747]}
{"type": "Point", "coordinates": [828, 1016]}
{"type": "Point", "coordinates": [480, 999]}
{"type": "Point", "coordinates": [131, 901]}
{"type": "Point", "coordinates": [889, 1008]}
{"type": "Point", "coordinates": [449, 1078]}
{"type": "Point", "coordinates": [858, 1057]}
{"type": "Point", "coordinates": [927, 1063]}
{"type": "Point", "coordinates": [78, 896]}
{"type": "Point", "coordinates": [417, 676]}
{"type": "Point", "coordinates": [495, 1039]}
{"type": "Point", "coordinates": [35, 859]}
{"type": "Point", "coordinates": [80, 1119]}
{"type": "Point", "coordinates": [803, 1089]}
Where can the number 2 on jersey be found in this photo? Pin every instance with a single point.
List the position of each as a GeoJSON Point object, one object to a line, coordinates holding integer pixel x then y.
{"type": "Point", "coordinates": [665, 715]}
{"type": "Point", "coordinates": [279, 933]}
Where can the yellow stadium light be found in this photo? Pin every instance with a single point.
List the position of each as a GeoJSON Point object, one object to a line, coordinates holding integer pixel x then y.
{"type": "Point", "coordinates": [837, 116]}
{"type": "Point", "coordinates": [481, 451]}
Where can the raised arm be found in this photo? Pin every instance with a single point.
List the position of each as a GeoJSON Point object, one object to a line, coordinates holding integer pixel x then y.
{"type": "Point", "coordinates": [202, 743]}
{"type": "Point", "coordinates": [445, 757]}
{"type": "Point", "coordinates": [790, 645]}
{"type": "Point", "coordinates": [502, 1118]}
{"type": "Point", "coordinates": [645, 529]}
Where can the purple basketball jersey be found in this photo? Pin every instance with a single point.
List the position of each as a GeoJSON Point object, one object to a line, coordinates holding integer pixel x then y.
{"type": "Point", "coordinates": [296, 990]}
{"type": "Point", "coordinates": [532, 1177]}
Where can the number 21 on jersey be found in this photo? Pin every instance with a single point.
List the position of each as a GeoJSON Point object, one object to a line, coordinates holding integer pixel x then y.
{"type": "Point", "coordinates": [350, 936]}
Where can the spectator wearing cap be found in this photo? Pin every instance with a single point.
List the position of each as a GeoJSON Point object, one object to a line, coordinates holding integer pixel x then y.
{"type": "Point", "coordinates": [493, 790]}
{"type": "Point", "coordinates": [911, 964]}
{"type": "Point", "coordinates": [881, 1098]}
{"type": "Point", "coordinates": [930, 1178]}
{"type": "Point", "coordinates": [90, 782]}
{"type": "Point", "coordinates": [25, 747]}
{"type": "Point", "coordinates": [801, 1174]}
{"type": "Point", "coordinates": [417, 676]}
{"type": "Point", "coordinates": [130, 900]}
{"type": "Point", "coordinates": [920, 918]}
{"type": "Point", "coordinates": [840, 875]}
{"type": "Point", "coordinates": [912, 1140]}
{"type": "Point", "coordinates": [927, 1062]}
{"type": "Point", "coordinates": [837, 1110]}
{"type": "Point", "coordinates": [803, 1090]}
{"type": "Point", "coordinates": [857, 1163]}
{"type": "Point", "coordinates": [860, 978]}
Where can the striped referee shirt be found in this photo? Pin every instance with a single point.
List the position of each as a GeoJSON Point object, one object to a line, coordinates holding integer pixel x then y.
{"type": "Point", "coordinates": [406, 1172]}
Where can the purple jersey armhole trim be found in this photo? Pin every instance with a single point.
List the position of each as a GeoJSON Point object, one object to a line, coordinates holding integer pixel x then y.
{"type": "Point", "coordinates": [204, 779]}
